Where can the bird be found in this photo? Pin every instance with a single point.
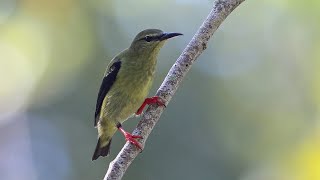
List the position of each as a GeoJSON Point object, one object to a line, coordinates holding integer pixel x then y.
{"type": "Point", "coordinates": [125, 86]}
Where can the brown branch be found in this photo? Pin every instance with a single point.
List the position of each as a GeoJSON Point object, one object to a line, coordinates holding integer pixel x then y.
{"type": "Point", "coordinates": [221, 9]}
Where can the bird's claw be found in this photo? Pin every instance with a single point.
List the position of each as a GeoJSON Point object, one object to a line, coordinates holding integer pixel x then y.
{"type": "Point", "coordinates": [132, 139]}
{"type": "Point", "coordinates": [152, 100]}
{"type": "Point", "coordinates": [159, 101]}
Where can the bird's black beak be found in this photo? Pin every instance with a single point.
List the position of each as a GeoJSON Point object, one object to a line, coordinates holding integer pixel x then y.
{"type": "Point", "coordinates": [167, 35]}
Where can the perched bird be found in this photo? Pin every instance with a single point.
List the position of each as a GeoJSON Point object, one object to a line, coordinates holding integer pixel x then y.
{"type": "Point", "coordinates": [125, 85]}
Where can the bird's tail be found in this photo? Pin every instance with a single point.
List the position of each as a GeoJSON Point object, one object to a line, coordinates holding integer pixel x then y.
{"type": "Point", "coordinates": [102, 149]}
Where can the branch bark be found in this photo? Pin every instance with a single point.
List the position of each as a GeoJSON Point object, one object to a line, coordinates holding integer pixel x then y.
{"type": "Point", "coordinates": [221, 9]}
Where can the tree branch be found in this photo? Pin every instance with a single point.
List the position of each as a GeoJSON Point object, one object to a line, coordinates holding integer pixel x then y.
{"type": "Point", "coordinates": [221, 9]}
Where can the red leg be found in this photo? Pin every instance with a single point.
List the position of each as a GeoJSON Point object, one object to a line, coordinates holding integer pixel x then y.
{"type": "Point", "coordinates": [131, 138]}
{"type": "Point", "coordinates": [151, 100]}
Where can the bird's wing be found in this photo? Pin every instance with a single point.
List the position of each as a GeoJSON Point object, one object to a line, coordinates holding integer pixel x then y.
{"type": "Point", "coordinates": [107, 83]}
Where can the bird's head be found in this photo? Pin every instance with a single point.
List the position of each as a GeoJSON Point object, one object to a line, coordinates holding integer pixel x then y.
{"type": "Point", "coordinates": [150, 40]}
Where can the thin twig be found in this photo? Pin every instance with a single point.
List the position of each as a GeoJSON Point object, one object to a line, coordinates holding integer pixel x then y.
{"type": "Point", "coordinates": [221, 9]}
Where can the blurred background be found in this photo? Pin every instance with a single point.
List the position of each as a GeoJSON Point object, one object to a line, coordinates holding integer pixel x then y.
{"type": "Point", "coordinates": [248, 110]}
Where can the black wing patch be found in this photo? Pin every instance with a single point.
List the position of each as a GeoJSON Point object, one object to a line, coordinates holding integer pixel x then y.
{"type": "Point", "coordinates": [107, 83]}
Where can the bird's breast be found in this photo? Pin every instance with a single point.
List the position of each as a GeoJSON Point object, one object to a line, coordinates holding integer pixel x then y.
{"type": "Point", "coordinates": [129, 91]}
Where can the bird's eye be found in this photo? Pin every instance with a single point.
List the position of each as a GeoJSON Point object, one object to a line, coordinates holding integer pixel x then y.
{"type": "Point", "coordinates": [148, 38]}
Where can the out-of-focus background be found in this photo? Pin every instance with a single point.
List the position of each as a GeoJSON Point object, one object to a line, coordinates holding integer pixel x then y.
{"type": "Point", "coordinates": [248, 109]}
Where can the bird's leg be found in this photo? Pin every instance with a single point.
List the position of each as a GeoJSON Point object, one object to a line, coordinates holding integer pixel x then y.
{"type": "Point", "coordinates": [151, 100]}
{"type": "Point", "coordinates": [129, 137]}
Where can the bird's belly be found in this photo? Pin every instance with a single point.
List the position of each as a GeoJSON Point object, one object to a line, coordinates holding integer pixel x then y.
{"type": "Point", "coordinates": [124, 102]}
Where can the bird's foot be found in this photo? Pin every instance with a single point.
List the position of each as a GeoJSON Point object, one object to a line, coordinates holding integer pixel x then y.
{"type": "Point", "coordinates": [131, 138]}
{"type": "Point", "coordinates": [152, 100]}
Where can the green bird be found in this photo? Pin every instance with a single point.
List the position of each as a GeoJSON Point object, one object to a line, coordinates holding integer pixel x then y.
{"type": "Point", "coordinates": [125, 86]}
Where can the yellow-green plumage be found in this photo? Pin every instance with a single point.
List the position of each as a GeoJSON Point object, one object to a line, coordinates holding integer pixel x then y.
{"type": "Point", "coordinates": [129, 86]}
